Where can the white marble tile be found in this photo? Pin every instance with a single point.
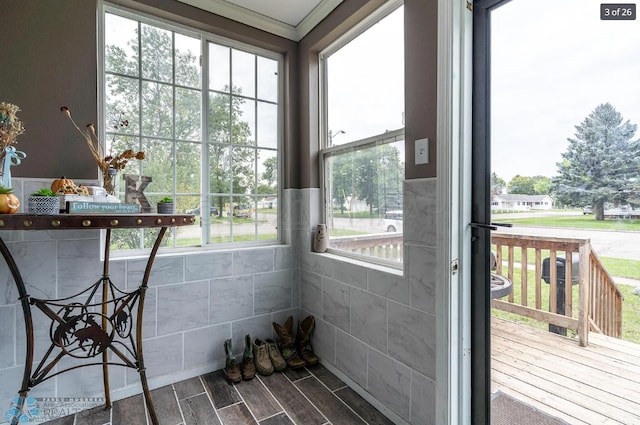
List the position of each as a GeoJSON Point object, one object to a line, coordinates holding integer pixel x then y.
{"type": "Point", "coordinates": [78, 266]}
{"type": "Point", "coordinates": [389, 381]}
{"type": "Point", "coordinates": [7, 335]}
{"type": "Point", "coordinates": [323, 339]}
{"type": "Point", "coordinates": [86, 381]}
{"type": "Point", "coordinates": [369, 318]}
{"type": "Point", "coordinates": [205, 345]}
{"type": "Point", "coordinates": [37, 264]}
{"type": "Point", "coordinates": [412, 338]}
{"type": "Point", "coordinates": [286, 257]}
{"type": "Point", "coordinates": [388, 285]}
{"type": "Point", "coordinates": [323, 265]}
{"type": "Point", "coordinates": [182, 307]}
{"type": "Point", "coordinates": [249, 261]}
{"type": "Point", "coordinates": [231, 299]}
{"type": "Point", "coordinates": [166, 270]}
{"type": "Point", "coordinates": [311, 292]}
{"type": "Point", "coordinates": [423, 400]}
{"type": "Point", "coordinates": [351, 357]}
{"type": "Point", "coordinates": [295, 289]}
{"type": "Point", "coordinates": [162, 356]}
{"type": "Point", "coordinates": [351, 274]}
{"type": "Point", "coordinates": [272, 291]}
{"type": "Point", "coordinates": [255, 327]}
{"type": "Point", "coordinates": [422, 277]}
{"type": "Point", "coordinates": [11, 382]}
{"type": "Point", "coordinates": [150, 314]}
{"type": "Point", "coordinates": [420, 211]}
{"type": "Point", "coordinates": [208, 265]}
{"type": "Point", "coordinates": [335, 303]}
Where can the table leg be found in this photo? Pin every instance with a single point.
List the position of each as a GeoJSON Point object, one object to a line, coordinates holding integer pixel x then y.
{"type": "Point", "coordinates": [28, 321]}
{"type": "Point", "coordinates": [143, 290]}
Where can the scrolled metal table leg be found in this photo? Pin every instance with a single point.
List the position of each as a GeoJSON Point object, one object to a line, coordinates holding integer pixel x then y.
{"type": "Point", "coordinates": [28, 321]}
{"type": "Point", "coordinates": [143, 289]}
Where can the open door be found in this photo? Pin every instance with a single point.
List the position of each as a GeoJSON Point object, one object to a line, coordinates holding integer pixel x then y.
{"type": "Point", "coordinates": [481, 214]}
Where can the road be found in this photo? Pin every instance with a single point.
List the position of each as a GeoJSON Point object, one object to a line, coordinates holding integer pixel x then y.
{"type": "Point", "coordinates": [617, 244]}
{"type": "Point", "coordinates": [605, 243]}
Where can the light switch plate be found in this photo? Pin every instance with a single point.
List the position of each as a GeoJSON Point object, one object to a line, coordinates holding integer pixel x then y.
{"type": "Point", "coordinates": [422, 151]}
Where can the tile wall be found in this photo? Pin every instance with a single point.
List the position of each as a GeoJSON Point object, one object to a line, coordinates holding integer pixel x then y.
{"type": "Point", "coordinates": [195, 301]}
{"type": "Point", "coordinates": [375, 327]}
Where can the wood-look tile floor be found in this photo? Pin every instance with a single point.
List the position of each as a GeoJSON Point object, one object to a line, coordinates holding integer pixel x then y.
{"type": "Point", "coordinates": [308, 396]}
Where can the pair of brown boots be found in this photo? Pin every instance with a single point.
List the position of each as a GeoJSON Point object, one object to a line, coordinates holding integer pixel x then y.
{"type": "Point", "coordinates": [297, 352]}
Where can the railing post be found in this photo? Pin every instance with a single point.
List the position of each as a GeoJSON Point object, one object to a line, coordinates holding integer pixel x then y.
{"type": "Point", "coordinates": [584, 286]}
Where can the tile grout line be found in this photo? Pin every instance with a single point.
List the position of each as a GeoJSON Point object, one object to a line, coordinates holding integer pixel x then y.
{"type": "Point", "coordinates": [338, 397]}
{"type": "Point", "coordinates": [206, 390]}
{"type": "Point", "coordinates": [276, 399]}
{"type": "Point", "coordinates": [311, 375]}
{"type": "Point", "coordinates": [175, 394]}
{"type": "Point", "coordinates": [243, 401]}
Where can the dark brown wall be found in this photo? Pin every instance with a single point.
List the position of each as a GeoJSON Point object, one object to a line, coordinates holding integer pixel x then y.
{"type": "Point", "coordinates": [420, 81]}
{"type": "Point", "coordinates": [421, 108]}
{"type": "Point", "coordinates": [49, 59]}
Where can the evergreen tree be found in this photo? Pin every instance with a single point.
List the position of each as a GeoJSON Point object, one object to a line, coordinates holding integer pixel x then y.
{"type": "Point", "coordinates": [600, 163]}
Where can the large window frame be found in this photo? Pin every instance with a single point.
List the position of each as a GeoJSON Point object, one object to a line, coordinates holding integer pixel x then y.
{"type": "Point", "coordinates": [330, 150]}
{"type": "Point", "coordinates": [231, 201]}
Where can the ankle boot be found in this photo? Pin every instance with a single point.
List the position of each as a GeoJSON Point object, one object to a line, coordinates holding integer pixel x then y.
{"type": "Point", "coordinates": [231, 369]}
{"type": "Point", "coordinates": [286, 344]}
{"type": "Point", "coordinates": [263, 362]}
{"type": "Point", "coordinates": [303, 340]}
{"type": "Point", "coordinates": [248, 364]}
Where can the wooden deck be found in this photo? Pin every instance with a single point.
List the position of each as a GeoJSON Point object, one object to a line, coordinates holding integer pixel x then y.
{"type": "Point", "coordinates": [598, 384]}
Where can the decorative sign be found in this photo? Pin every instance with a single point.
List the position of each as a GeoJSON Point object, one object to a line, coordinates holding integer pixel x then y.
{"type": "Point", "coordinates": [80, 207]}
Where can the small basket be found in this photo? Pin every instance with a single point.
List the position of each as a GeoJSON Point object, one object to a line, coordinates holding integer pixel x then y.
{"type": "Point", "coordinates": [165, 207]}
{"type": "Point", "coordinates": [44, 205]}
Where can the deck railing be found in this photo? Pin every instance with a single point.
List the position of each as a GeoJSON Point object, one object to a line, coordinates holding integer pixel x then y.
{"type": "Point", "coordinates": [599, 300]}
{"type": "Point", "coordinates": [599, 306]}
{"type": "Point", "coordinates": [380, 245]}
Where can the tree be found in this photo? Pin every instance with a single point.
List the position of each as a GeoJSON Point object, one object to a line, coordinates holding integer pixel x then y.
{"type": "Point", "coordinates": [600, 162]}
{"type": "Point", "coordinates": [525, 185]}
{"type": "Point", "coordinates": [370, 174]}
{"type": "Point", "coordinates": [165, 122]}
{"type": "Point", "coordinates": [497, 184]}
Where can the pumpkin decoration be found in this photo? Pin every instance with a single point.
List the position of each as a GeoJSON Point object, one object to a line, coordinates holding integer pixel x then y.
{"type": "Point", "coordinates": [9, 203]}
{"type": "Point", "coordinates": [63, 183]}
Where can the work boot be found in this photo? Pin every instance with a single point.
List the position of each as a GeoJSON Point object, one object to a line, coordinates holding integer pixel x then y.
{"type": "Point", "coordinates": [231, 369]}
{"type": "Point", "coordinates": [261, 355]}
{"type": "Point", "coordinates": [248, 364]}
{"type": "Point", "coordinates": [286, 344]}
{"type": "Point", "coordinates": [303, 340]}
{"type": "Point", "coordinates": [279, 363]}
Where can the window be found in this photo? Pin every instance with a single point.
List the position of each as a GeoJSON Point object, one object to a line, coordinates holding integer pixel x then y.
{"type": "Point", "coordinates": [363, 154]}
{"type": "Point", "coordinates": [206, 112]}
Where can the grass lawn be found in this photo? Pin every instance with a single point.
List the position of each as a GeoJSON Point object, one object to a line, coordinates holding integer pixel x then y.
{"type": "Point", "coordinates": [630, 304]}
{"type": "Point", "coordinates": [575, 221]}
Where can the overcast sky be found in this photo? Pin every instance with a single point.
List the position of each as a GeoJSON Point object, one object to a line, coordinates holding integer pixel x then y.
{"type": "Point", "coordinates": [553, 62]}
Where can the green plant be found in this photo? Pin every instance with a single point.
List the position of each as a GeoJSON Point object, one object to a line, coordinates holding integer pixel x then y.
{"type": "Point", "coordinates": [166, 199]}
{"type": "Point", "coordinates": [44, 192]}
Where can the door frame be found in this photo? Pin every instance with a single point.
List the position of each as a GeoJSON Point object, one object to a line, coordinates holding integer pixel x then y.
{"type": "Point", "coordinates": [481, 212]}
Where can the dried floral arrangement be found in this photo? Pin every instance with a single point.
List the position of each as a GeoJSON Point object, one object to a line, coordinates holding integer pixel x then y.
{"type": "Point", "coordinates": [10, 125]}
{"type": "Point", "coordinates": [105, 163]}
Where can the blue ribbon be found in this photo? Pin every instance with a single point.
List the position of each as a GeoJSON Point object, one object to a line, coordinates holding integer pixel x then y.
{"type": "Point", "coordinates": [11, 157]}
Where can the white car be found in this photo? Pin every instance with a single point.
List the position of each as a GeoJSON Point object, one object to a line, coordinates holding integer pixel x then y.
{"type": "Point", "coordinates": [393, 221]}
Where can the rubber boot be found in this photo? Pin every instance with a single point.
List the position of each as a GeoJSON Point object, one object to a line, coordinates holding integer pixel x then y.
{"type": "Point", "coordinates": [286, 344]}
{"type": "Point", "coordinates": [303, 341]}
{"type": "Point", "coordinates": [248, 364]}
{"type": "Point", "coordinates": [231, 370]}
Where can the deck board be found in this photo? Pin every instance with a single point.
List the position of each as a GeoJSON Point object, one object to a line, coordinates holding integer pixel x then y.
{"type": "Point", "coordinates": [598, 384]}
